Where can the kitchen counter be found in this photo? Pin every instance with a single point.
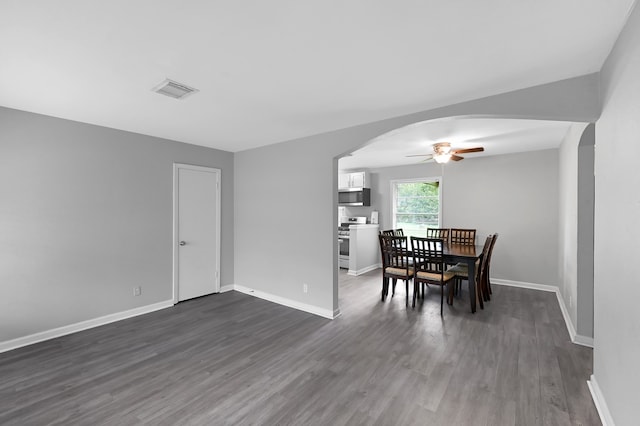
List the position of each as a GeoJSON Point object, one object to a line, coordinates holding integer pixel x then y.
{"type": "Point", "coordinates": [364, 249]}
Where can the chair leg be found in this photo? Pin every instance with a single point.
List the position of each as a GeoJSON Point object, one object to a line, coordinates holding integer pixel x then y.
{"type": "Point", "coordinates": [457, 284]}
{"type": "Point", "coordinates": [385, 287]}
{"type": "Point", "coordinates": [416, 287]}
{"type": "Point", "coordinates": [441, 297]}
{"type": "Point", "coordinates": [479, 294]}
{"type": "Point", "coordinates": [406, 284]}
{"type": "Point", "coordinates": [485, 288]}
{"type": "Point", "coordinates": [489, 282]}
{"type": "Point", "coordinates": [393, 289]}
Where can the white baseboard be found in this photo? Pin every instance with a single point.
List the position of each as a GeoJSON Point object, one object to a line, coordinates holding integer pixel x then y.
{"type": "Point", "coordinates": [521, 284]}
{"type": "Point", "coordinates": [598, 400]}
{"type": "Point", "coordinates": [581, 340]}
{"type": "Point", "coordinates": [325, 313]}
{"type": "Point", "coordinates": [226, 288]}
{"type": "Point", "coordinates": [364, 270]}
{"type": "Point", "coordinates": [575, 337]}
{"type": "Point", "coordinates": [79, 326]}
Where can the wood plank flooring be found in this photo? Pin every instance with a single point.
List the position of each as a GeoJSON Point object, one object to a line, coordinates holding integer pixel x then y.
{"type": "Point", "coordinates": [237, 360]}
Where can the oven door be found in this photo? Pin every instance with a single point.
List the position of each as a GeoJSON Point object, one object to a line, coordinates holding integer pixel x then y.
{"type": "Point", "coordinates": [343, 251]}
{"type": "Point", "coordinates": [344, 245]}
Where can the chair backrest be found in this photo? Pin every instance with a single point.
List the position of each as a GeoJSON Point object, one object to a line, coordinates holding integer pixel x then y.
{"type": "Point", "coordinates": [486, 253]}
{"type": "Point", "coordinates": [394, 251]}
{"type": "Point", "coordinates": [465, 237]}
{"type": "Point", "coordinates": [394, 232]}
{"type": "Point", "coordinates": [441, 233]}
{"type": "Point", "coordinates": [428, 254]}
{"type": "Point", "coordinates": [493, 243]}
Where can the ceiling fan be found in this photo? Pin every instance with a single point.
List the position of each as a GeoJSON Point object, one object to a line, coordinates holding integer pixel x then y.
{"type": "Point", "coordinates": [442, 153]}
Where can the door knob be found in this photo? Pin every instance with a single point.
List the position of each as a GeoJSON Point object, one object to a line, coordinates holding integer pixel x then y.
{"type": "Point", "coordinates": [182, 243]}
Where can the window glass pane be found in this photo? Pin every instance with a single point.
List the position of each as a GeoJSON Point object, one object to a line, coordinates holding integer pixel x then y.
{"type": "Point", "coordinates": [417, 207]}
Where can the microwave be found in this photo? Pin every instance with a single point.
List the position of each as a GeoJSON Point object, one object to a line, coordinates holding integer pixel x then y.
{"type": "Point", "coordinates": [354, 197]}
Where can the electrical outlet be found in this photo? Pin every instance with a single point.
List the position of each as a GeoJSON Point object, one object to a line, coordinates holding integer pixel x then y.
{"type": "Point", "coordinates": [305, 287]}
{"type": "Point", "coordinates": [137, 291]}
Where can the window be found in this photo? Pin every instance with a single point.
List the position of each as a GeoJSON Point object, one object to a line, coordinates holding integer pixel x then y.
{"type": "Point", "coordinates": [416, 205]}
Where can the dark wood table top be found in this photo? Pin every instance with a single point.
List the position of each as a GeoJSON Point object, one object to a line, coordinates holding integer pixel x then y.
{"type": "Point", "coordinates": [459, 250]}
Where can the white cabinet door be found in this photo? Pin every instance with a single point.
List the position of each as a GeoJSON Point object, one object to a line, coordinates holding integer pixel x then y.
{"type": "Point", "coordinates": [343, 180]}
{"type": "Point", "coordinates": [357, 180]}
{"type": "Point", "coordinates": [352, 180]}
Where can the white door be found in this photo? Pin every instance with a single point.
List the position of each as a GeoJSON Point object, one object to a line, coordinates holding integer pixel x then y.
{"type": "Point", "coordinates": [196, 211]}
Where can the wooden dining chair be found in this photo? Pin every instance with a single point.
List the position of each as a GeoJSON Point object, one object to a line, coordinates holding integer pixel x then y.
{"type": "Point", "coordinates": [465, 237]}
{"type": "Point", "coordinates": [393, 232]}
{"type": "Point", "coordinates": [428, 260]}
{"type": "Point", "coordinates": [487, 281]}
{"type": "Point", "coordinates": [395, 264]}
{"type": "Point", "coordinates": [440, 233]}
{"type": "Point", "coordinates": [461, 272]}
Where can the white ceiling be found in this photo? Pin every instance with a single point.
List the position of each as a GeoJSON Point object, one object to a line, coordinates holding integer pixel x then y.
{"type": "Point", "coordinates": [275, 70]}
{"type": "Point", "coordinates": [496, 136]}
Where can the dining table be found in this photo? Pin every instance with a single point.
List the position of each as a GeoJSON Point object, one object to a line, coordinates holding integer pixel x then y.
{"type": "Point", "coordinates": [460, 253]}
{"type": "Point", "coordinates": [469, 254]}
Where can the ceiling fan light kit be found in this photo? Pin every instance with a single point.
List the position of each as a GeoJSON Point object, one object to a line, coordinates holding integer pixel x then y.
{"type": "Point", "coordinates": [442, 158]}
{"type": "Point", "coordinates": [442, 153]}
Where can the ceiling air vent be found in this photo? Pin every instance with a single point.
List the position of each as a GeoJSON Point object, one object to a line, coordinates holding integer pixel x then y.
{"type": "Point", "coordinates": [174, 89]}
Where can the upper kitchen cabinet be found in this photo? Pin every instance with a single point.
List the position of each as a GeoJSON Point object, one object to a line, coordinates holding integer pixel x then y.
{"type": "Point", "coordinates": [353, 180]}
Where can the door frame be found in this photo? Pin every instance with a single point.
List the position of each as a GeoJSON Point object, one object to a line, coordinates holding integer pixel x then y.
{"type": "Point", "coordinates": [176, 230]}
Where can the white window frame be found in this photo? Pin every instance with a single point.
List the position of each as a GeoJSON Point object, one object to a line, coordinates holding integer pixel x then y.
{"type": "Point", "coordinates": [394, 194]}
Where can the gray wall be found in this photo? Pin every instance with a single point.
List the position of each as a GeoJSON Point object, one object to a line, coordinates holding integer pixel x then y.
{"type": "Point", "coordinates": [568, 219]}
{"type": "Point", "coordinates": [515, 195]}
{"type": "Point", "coordinates": [617, 209]}
{"type": "Point", "coordinates": [586, 200]}
{"type": "Point", "coordinates": [86, 215]}
{"type": "Point", "coordinates": [286, 193]}
{"type": "Point", "coordinates": [575, 230]}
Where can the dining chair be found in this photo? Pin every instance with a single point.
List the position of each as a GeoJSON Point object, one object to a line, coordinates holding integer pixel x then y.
{"type": "Point", "coordinates": [461, 271]}
{"type": "Point", "coordinates": [395, 264]}
{"type": "Point", "coordinates": [440, 233]}
{"type": "Point", "coordinates": [487, 281]}
{"type": "Point", "coordinates": [465, 237]}
{"type": "Point", "coordinates": [393, 232]}
{"type": "Point", "coordinates": [428, 260]}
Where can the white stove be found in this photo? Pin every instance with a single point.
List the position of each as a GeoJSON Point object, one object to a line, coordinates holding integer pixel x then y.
{"type": "Point", "coordinates": [343, 238]}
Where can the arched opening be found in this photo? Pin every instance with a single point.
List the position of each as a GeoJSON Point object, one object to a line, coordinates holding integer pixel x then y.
{"type": "Point", "coordinates": [511, 187]}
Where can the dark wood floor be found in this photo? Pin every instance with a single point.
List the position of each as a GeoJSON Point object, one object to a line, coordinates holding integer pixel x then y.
{"type": "Point", "coordinates": [235, 359]}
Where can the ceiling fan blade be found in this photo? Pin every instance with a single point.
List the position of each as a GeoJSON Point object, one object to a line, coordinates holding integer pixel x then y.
{"type": "Point", "coordinates": [456, 157]}
{"type": "Point", "coordinates": [428, 158]}
{"type": "Point", "coordinates": [467, 150]}
{"type": "Point", "coordinates": [420, 155]}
